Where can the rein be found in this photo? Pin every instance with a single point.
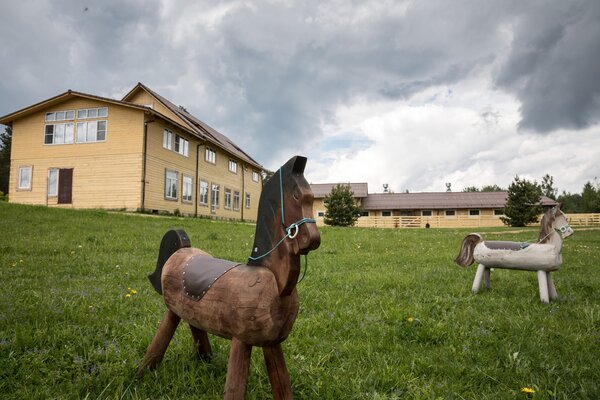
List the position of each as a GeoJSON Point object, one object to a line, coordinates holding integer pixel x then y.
{"type": "Point", "coordinates": [291, 231]}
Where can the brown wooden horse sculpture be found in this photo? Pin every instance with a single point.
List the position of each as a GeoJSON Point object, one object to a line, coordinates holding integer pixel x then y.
{"type": "Point", "coordinates": [254, 304]}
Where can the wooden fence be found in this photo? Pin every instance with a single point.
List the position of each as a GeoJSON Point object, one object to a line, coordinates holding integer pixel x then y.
{"type": "Point", "coordinates": [458, 221]}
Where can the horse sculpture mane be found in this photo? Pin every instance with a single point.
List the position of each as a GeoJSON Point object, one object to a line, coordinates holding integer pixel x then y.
{"type": "Point", "coordinates": [254, 304]}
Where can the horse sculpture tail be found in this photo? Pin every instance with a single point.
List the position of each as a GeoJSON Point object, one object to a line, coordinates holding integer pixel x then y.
{"type": "Point", "coordinates": [172, 241]}
{"type": "Point", "coordinates": [465, 257]}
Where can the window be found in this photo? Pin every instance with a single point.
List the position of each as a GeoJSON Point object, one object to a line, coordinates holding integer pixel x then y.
{"type": "Point", "coordinates": [473, 213]}
{"type": "Point", "coordinates": [450, 213]}
{"type": "Point", "coordinates": [255, 176]}
{"type": "Point", "coordinates": [214, 197]}
{"type": "Point", "coordinates": [59, 134]}
{"type": "Point", "coordinates": [92, 113]}
{"type": "Point", "coordinates": [386, 213]}
{"type": "Point", "coordinates": [52, 182]}
{"type": "Point", "coordinates": [210, 155]}
{"type": "Point", "coordinates": [90, 132]}
{"type": "Point", "coordinates": [498, 212]}
{"type": "Point", "coordinates": [364, 214]}
{"type": "Point", "coordinates": [60, 116]}
{"type": "Point", "coordinates": [25, 178]}
{"type": "Point", "coordinates": [168, 139]}
{"type": "Point", "coordinates": [227, 198]}
{"type": "Point", "coordinates": [236, 200]}
{"type": "Point", "coordinates": [321, 214]}
{"type": "Point", "coordinates": [203, 193]}
{"type": "Point", "coordinates": [233, 166]}
{"type": "Point", "coordinates": [187, 189]}
{"type": "Point", "coordinates": [426, 213]}
{"type": "Point", "coordinates": [171, 185]}
{"type": "Point", "coordinates": [181, 145]}
{"type": "Point", "coordinates": [247, 200]}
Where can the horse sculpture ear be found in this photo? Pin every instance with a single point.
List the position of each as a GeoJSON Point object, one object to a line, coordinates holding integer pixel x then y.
{"type": "Point", "coordinates": [299, 164]}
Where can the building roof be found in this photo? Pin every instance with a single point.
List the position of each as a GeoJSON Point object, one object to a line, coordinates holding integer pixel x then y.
{"type": "Point", "coordinates": [320, 190]}
{"type": "Point", "coordinates": [200, 128]}
{"type": "Point", "coordinates": [439, 200]}
{"type": "Point", "coordinates": [192, 124]}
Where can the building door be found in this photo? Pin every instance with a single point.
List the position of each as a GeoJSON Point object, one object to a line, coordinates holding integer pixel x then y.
{"type": "Point", "coordinates": [65, 186]}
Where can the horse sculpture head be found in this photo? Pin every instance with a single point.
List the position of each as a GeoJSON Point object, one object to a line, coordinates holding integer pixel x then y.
{"type": "Point", "coordinates": [554, 226]}
{"type": "Point", "coordinates": [285, 227]}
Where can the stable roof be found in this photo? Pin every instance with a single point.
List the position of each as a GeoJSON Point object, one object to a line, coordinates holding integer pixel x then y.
{"type": "Point", "coordinates": [440, 200]}
{"type": "Point", "coordinates": [320, 190]}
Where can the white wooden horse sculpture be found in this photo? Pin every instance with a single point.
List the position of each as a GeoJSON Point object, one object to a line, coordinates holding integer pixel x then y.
{"type": "Point", "coordinates": [544, 256]}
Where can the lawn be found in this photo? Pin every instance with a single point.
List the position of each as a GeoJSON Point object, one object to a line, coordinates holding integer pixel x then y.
{"type": "Point", "coordinates": [384, 314]}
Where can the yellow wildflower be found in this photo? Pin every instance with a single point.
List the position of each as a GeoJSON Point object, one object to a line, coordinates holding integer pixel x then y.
{"type": "Point", "coordinates": [410, 319]}
{"type": "Point", "coordinates": [528, 390]}
{"type": "Point", "coordinates": [133, 291]}
{"type": "Point", "coordinates": [128, 295]}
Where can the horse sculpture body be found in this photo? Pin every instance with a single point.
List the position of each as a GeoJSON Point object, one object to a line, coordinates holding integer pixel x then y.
{"type": "Point", "coordinates": [254, 304]}
{"type": "Point", "coordinates": [544, 256]}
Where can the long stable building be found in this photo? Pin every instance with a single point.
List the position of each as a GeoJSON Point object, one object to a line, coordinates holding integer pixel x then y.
{"type": "Point", "coordinates": [138, 153]}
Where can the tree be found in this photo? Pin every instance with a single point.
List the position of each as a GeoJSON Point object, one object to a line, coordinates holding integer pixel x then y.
{"type": "Point", "coordinates": [590, 198]}
{"type": "Point", "coordinates": [547, 189]}
{"type": "Point", "coordinates": [342, 209]}
{"type": "Point", "coordinates": [484, 188]}
{"type": "Point", "coordinates": [570, 203]}
{"type": "Point", "coordinates": [5, 141]}
{"type": "Point", "coordinates": [523, 203]}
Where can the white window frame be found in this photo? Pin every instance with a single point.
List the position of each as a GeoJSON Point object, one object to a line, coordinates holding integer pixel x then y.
{"type": "Point", "coordinates": [24, 182]}
{"type": "Point", "coordinates": [68, 133]}
{"type": "Point", "coordinates": [181, 145]}
{"type": "Point", "coordinates": [453, 215]}
{"type": "Point", "coordinates": [215, 190]}
{"type": "Point", "coordinates": [477, 215]}
{"type": "Point", "coordinates": [236, 200]}
{"type": "Point", "coordinates": [85, 128]}
{"type": "Point", "coordinates": [248, 200]}
{"type": "Point", "coordinates": [227, 200]}
{"type": "Point", "coordinates": [426, 213]}
{"type": "Point", "coordinates": [168, 139]}
{"type": "Point", "coordinates": [210, 155]}
{"type": "Point", "coordinates": [171, 182]}
{"type": "Point", "coordinates": [57, 116]}
{"type": "Point", "coordinates": [203, 193]}
{"type": "Point", "coordinates": [233, 166]}
{"type": "Point", "coordinates": [187, 188]}
{"type": "Point", "coordinates": [255, 176]}
{"type": "Point", "coordinates": [53, 182]}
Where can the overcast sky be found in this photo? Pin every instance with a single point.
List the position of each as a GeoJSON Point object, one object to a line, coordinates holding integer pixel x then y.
{"type": "Point", "coordinates": [410, 93]}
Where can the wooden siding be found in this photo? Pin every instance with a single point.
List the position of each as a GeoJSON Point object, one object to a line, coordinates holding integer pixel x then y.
{"type": "Point", "coordinates": [160, 159]}
{"type": "Point", "coordinates": [105, 174]}
{"type": "Point", "coordinates": [144, 98]}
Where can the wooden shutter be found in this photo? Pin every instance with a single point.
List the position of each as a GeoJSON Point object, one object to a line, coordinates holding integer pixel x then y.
{"type": "Point", "coordinates": [65, 186]}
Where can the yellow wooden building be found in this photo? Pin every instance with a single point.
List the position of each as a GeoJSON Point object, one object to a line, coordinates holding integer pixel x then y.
{"type": "Point", "coordinates": [139, 153]}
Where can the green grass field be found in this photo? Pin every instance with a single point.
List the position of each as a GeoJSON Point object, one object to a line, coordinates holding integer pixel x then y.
{"type": "Point", "coordinates": [384, 314]}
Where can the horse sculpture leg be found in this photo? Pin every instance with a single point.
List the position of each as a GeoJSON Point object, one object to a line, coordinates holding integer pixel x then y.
{"type": "Point", "coordinates": [278, 374]}
{"type": "Point", "coordinates": [237, 370]}
{"type": "Point", "coordinates": [543, 284]}
{"type": "Point", "coordinates": [486, 278]}
{"type": "Point", "coordinates": [551, 287]}
{"type": "Point", "coordinates": [160, 342]}
{"type": "Point", "coordinates": [478, 278]}
{"type": "Point", "coordinates": [201, 343]}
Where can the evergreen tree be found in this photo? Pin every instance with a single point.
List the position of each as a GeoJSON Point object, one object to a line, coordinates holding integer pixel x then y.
{"type": "Point", "coordinates": [342, 209]}
{"type": "Point", "coordinates": [523, 203]}
{"type": "Point", "coordinates": [547, 187]}
{"type": "Point", "coordinates": [5, 141]}
{"type": "Point", "coordinates": [570, 203]}
{"type": "Point", "coordinates": [590, 198]}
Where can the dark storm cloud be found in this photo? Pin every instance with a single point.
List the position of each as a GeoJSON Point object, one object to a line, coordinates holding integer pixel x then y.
{"type": "Point", "coordinates": [553, 65]}
{"type": "Point", "coordinates": [268, 74]}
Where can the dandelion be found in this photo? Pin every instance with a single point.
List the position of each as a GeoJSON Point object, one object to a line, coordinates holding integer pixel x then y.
{"type": "Point", "coordinates": [80, 246]}
{"type": "Point", "coordinates": [528, 390]}
{"type": "Point", "coordinates": [133, 291]}
{"type": "Point", "coordinates": [128, 295]}
{"type": "Point", "coordinates": [20, 261]}
{"type": "Point", "coordinates": [410, 319]}
{"type": "Point", "coordinates": [72, 252]}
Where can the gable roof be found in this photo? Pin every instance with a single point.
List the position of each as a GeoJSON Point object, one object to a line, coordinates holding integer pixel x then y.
{"type": "Point", "coordinates": [440, 200]}
{"type": "Point", "coordinates": [69, 94]}
{"type": "Point", "coordinates": [200, 128]}
{"type": "Point", "coordinates": [320, 190]}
